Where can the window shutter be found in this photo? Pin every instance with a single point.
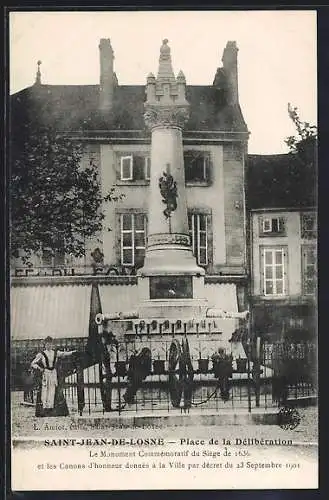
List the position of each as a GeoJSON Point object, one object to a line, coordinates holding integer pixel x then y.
{"type": "Point", "coordinates": [267, 225]}
{"type": "Point", "coordinates": [285, 270]}
{"type": "Point", "coordinates": [309, 269]}
{"type": "Point", "coordinates": [147, 167]}
{"type": "Point", "coordinates": [207, 169]}
{"type": "Point", "coordinates": [126, 168]}
{"type": "Point", "coordinates": [261, 273]}
{"type": "Point", "coordinates": [209, 239]}
{"type": "Point", "coordinates": [281, 227]}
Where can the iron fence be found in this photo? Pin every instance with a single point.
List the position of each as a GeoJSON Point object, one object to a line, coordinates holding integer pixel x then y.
{"type": "Point", "coordinates": [170, 379]}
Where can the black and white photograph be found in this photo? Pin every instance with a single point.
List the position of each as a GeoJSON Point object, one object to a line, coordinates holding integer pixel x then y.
{"type": "Point", "coordinates": [163, 250]}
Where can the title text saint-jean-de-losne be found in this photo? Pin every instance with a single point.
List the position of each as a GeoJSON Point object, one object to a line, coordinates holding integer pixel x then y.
{"type": "Point", "coordinates": [237, 441]}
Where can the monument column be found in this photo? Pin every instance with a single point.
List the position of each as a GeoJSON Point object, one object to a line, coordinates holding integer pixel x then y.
{"type": "Point", "coordinates": [166, 112]}
{"type": "Point", "coordinates": [169, 251]}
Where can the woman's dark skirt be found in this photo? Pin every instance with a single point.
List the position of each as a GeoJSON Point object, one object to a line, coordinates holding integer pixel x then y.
{"type": "Point", "coordinates": [60, 406]}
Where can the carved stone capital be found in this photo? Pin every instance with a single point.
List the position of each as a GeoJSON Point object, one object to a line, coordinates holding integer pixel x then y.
{"type": "Point", "coordinates": [168, 116]}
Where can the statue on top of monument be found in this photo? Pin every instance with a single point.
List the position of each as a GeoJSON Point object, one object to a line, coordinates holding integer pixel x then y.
{"type": "Point", "coordinates": [165, 49]}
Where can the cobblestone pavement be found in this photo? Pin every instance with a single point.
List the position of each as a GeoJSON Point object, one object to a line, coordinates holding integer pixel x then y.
{"type": "Point", "coordinates": [24, 423]}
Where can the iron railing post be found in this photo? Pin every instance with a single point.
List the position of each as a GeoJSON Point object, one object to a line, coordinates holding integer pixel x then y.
{"type": "Point", "coordinates": [119, 385]}
{"type": "Point", "coordinates": [248, 375]}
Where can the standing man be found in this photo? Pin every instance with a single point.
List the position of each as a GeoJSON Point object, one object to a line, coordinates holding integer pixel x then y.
{"type": "Point", "coordinates": [108, 355]}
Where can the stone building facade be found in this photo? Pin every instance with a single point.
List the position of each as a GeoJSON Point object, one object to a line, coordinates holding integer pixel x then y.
{"type": "Point", "coordinates": [283, 248]}
{"type": "Point", "coordinates": [223, 226]}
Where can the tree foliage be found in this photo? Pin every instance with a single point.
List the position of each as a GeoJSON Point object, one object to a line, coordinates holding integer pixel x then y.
{"type": "Point", "coordinates": [304, 144]}
{"type": "Point", "coordinates": [55, 201]}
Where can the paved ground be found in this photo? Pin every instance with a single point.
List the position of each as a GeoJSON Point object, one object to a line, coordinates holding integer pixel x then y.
{"type": "Point", "coordinates": [24, 423]}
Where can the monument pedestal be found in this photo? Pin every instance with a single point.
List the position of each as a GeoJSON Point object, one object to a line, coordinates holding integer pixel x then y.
{"type": "Point", "coordinates": [171, 296]}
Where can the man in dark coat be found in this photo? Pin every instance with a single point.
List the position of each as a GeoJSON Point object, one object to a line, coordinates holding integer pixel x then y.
{"type": "Point", "coordinates": [109, 348]}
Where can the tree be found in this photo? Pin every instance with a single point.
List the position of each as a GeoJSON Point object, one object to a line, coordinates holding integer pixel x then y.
{"type": "Point", "coordinates": [55, 203]}
{"type": "Point", "coordinates": [303, 161]}
{"type": "Point", "coordinates": [304, 145]}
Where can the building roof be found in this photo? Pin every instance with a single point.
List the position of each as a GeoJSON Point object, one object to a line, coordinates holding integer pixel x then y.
{"type": "Point", "coordinates": [279, 181]}
{"type": "Point", "coordinates": [273, 181]}
{"type": "Point", "coordinates": [76, 107]}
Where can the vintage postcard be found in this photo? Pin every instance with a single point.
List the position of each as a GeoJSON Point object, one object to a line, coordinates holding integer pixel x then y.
{"type": "Point", "coordinates": [163, 250]}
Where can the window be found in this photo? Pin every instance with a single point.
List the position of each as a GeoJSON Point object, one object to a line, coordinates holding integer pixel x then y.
{"type": "Point", "coordinates": [198, 229]}
{"type": "Point", "coordinates": [272, 226]}
{"type": "Point", "coordinates": [308, 223]}
{"type": "Point", "coordinates": [309, 269]}
{"type": "Point", "coordinates": [274, 271]}
{"type": "Point", "coordinates": [135, 168]}
{"type": "Point", "coordinates": [196, 165]}
{"type": "Point", "coordinates": [296, 323]}
{"type": "Point", "coordinates": [132, 239]}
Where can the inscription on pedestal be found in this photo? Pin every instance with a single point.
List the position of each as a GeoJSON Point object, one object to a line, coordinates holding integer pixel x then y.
{"type": "Point", "coordinates": [168, 239]}
{"type": "Point", "coordinates": [171, 287]}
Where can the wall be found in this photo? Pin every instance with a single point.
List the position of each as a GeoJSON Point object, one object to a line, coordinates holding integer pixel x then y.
{"type": "Point", "coordinates": [292, 240]}
{"type": "Point", "coordinates": [136, 194]}
{"type": "Point", "coordinates": [223, 196]}
{"type": "Point", "coordinates": [224, 190]}
{"type": "Point", "coordinates": [212, 197]}
{"type": "Point", "coordinates": [233, 158]}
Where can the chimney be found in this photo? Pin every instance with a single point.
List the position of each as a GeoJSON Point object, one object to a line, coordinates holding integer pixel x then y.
{"type": "Point", "coordinates": [230, 66]}
{"type": "Point", "coordinates": [107, 76]}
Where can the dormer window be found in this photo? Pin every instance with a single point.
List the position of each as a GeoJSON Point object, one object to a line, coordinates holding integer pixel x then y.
{"type": "Point", "coordinates": [272, 226]}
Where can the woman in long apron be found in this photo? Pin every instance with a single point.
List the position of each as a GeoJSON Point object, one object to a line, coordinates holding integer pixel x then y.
{"type": "Point", "coordinates": [50, 397]}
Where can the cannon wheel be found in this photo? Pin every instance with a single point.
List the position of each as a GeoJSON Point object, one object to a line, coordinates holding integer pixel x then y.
{"type": "Point", "coordinates": [179, 355]}
{"type": "Point", "coordinates": [188, 373]}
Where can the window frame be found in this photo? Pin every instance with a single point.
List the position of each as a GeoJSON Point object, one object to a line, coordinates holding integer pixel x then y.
{"type": "Point", "coordinates": [146, 167]}
{"type": "Point", "coordinates": [133, 231]}
{"type": "Point", "coordinates": [206, 156]}
{"type": "Point", "coordinates": [273, 266]}
{"type": "Point", "coordinates": [195, 236]}
{"type": "Point", "coordinates": [264, 220]}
